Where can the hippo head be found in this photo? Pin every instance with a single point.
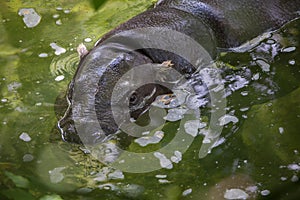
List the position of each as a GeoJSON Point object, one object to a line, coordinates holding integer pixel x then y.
{"type": "Point", "coordinates": [138, 101]}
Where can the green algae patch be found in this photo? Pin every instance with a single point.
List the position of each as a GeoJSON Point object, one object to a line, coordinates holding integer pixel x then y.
{"type": "Point", "coordinates": [272, 130]}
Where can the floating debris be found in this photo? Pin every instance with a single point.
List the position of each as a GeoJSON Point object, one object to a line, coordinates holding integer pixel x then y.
{"type": "Point", "coordinates": [283, 178]}
{"type": "Point", "coordinates": [235, 194]}
{"type": "Point", "coordinates": [177, 157]}
{"type": "Point", "coordinates": [288, 49]}
{"type": "Point", "coordinates": [51, 197]}
{"type": "Point", "coordinates": [164, 161]}
{"type": "Point", "coordinates": [191, 127]}
{"type": "Point", "coordinates": [164, 181]}
{"type": "Point", "coordinates": [175, 114]}
{"type": "Point", "coordinates": [281, 130]}
{"type": "Point", "coordinates": [244, 93]}
{"type": "Point", "coordinates": [187, 192]}
{"type": "Point", "coordinates": [87, 40]}
{"type": "Point", "coordinates": [25, 137]}
{"type": "Point", "coordinates": [294, 167]}
{"type": "Point", "coordinates": [67, 11]}
{"type": "Point", "coordinates": [295, 179]}
{"type": "Point", "coordinates": [144, 141]}
{"type": "Point", "coordinates": [28, 158]}
{"type": "Point", "coordinates": [252, 189]}
{"type": "Point", "coordinates": [58, 22]}
{"type": "Point", "coordinates": [107, 173]}
{"type": "Point", "coordinates": [256, 77]}
{"type": "Point", "coordinates": [265, 192]}
{"type": "Point", "coordinates": [58, 50]}
{"type": "Point", "coordinates": [38, 104]}
{"type": "Point", "coordinates": [226, 119]}
{"type": "Point", "coordinates": [4, 100]}
{"type": "Point", "coordinates": [55, 16]}
{"type": "Point", "coordinates": [55, 175]}
{"type": "Point", "coordinates": [59, 8]}
{"type": "Point", "coordinates": [30, 17]}
{"type": "Point", "coordinates": [43, 55]}
{"type": "Point", "coordinates": [13, 86]}
{"type": "Point", "coordinates": [264, 65]}
{"type": "Point", "coordinates": [292, 62]}
{"type": "Point", "coordinates": [60, 78]}
{"type": "Point", "coordinates": [116, 175]}
{"type": "Point", "coordinates": [161, 176]}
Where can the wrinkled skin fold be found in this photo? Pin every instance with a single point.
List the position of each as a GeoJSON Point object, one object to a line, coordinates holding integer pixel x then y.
{"type": "Point", "coordinates": [214, 24]}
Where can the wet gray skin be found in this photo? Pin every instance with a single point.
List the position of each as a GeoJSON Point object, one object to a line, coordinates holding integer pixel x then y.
{"type": "Point", "coordinates": [214, 24]}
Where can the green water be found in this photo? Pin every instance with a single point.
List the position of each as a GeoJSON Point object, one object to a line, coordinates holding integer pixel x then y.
{"type": "Point", "coordinates": [260, 152]}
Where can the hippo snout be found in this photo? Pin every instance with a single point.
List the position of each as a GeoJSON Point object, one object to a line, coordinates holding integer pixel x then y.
{"type": "Point", "coordinates": [67, 128]}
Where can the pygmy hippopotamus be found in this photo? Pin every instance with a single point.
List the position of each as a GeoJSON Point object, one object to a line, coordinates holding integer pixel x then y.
{"type": "Point", "coordinates": [214, 24]}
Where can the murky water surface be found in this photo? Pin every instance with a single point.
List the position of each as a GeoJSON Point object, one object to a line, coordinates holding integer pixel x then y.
{"type": "Point", "coordinates": [255, 157]}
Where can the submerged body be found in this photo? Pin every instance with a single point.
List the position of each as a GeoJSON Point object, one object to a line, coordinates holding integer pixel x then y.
{"type": "Point", "coordinates": [211, 23]}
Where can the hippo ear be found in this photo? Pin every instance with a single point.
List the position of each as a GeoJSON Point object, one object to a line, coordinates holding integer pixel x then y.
{"type": "Point", "coordinates": [82, 50]}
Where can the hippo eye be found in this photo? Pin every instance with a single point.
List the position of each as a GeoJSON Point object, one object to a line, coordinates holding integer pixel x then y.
{"type": "Point", "coordinates": [133, 98]}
